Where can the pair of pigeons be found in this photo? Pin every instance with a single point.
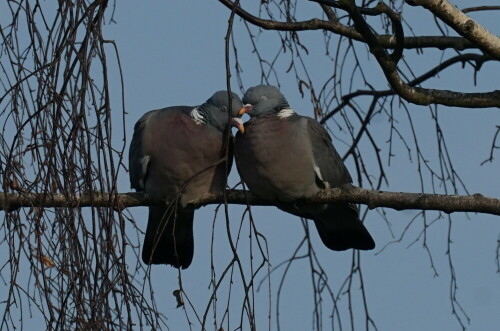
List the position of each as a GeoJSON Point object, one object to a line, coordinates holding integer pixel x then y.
{"type": "Point", "coordinates": [179, 153]}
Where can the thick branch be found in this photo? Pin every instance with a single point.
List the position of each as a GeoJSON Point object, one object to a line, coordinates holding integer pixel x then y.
{"type": "Point", "coordinates": [416, 95]}
{"type": "Point", "coordinates": [425, 96]}
{"type": "Point", "coordinates": [386, 41]}
{"type": "Point", "coordinates": [462, 24]}
{"type": "Point", "coordinates": [477, 58]}
{"type": "Point", "coordinates": [374, 199]}
{"type": "Point", "coordinates": [378, 44]}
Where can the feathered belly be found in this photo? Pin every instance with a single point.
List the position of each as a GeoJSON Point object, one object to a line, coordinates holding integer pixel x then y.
{"type": "Point", "coordinates": [274, 163]}
{"type": "Point", "coordinates": [186, 170]}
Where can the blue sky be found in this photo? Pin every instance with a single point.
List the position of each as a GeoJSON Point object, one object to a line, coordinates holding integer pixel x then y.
{"type": "Point", "coordinates": [172, 53]}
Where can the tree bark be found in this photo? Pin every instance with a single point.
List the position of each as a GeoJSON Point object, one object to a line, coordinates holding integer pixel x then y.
{"type": "Point", "coordinates": [463, 25]}
{"type": "Point", "coordinates": [372, 198]}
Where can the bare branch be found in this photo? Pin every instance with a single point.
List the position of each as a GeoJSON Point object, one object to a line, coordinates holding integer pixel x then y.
{"type": "Point", "coordinates": [416, 95]}
{"type": "Point", "coordinates": [462, 58]}
{"type": "Point", "coordinates": [372, 198]}
{"type": "Point", "coordinates": [423, 96]}
{"type": "Point", "coordinates": [386, 41]}
{"type": "Point", "coordinates": [462, 24]}
{"type": "Point", "coordinates": [377, 45]}
{"type": "Point", "coordinates": [480, 8]}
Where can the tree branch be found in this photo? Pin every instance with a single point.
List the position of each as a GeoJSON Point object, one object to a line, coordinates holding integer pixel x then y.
{"type": "Point", "coordinates": [463, 58]}
{"type": "Point", "coordinates": [377, 45]}
{"type": "Point", "coordinates": [372, 198]}
{"type": "Point", "coordinates": [480, 8]}
{"type": "Point", "coordinates": [386, 41]}
{"type": "Point", "coordinates": [416, 95]}
{"type": "Point", "coordinates": [462, 24]}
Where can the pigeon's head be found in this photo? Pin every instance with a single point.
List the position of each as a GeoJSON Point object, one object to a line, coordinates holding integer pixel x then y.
{"type": "Point", "coordinates": [216, 108]}
{"type": "Point", "coordinates": [263, 100]}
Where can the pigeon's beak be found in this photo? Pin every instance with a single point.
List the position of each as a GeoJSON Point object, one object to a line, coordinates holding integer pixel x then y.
{"type": "Point", "coordinates": [238, 123]}
{"type": "Point", "coordinates": [246, 108]}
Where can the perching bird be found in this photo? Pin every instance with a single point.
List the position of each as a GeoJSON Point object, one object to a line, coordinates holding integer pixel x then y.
{"type": "Point", "coordinates": [285, 158]}
{"type": "Point", "coordinates": [177, 154]}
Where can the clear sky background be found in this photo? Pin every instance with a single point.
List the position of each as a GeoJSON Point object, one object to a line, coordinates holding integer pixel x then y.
{"type": "Point", "coordinates": [172, 53]}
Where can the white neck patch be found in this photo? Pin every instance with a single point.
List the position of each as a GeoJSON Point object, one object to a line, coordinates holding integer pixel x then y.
{"type": "Point", "coordinates": [284, 113]}
{"type": "Point", "coordinates": [196, 116]}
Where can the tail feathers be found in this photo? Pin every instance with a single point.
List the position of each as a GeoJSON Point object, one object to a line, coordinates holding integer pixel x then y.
{"type": "Point", "coordinates": [169, 237]}
{"type": "Point", "coordinates": [340, 228]}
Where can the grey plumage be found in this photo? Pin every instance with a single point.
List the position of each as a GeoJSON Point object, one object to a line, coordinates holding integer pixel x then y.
{"type": "Point", "coordinates": [177, 154]}
{"type": "Point", "coordinates": [286, 158]}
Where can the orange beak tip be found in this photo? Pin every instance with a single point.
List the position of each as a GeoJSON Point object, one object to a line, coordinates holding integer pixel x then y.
{"type": "Point", "coordinates": [246, 108]}
{"type": "Point", "coordinates": [237, 122]}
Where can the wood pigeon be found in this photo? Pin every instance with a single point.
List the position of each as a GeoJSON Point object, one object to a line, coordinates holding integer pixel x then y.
{"type": "Point", "coordinates": [285, 158]}
{"type": "Point", "coordinates": [177, 154]}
